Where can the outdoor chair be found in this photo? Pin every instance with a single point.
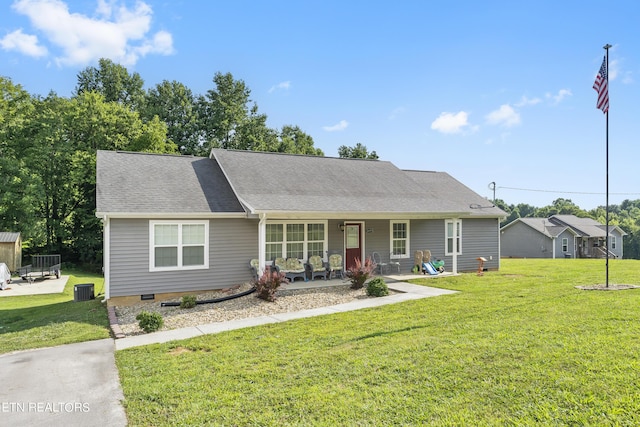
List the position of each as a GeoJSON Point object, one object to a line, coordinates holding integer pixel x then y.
{"type": "Point", "coordinates": [335, 266]}
{"type": "Point", "coordinates": [379, 264]}
{"type": "Point", "coordinates": [317, 267]}
{"type": "Point", "coordinates": [291, 267]}
{"type": "Point", "coordinates": [254, 265]}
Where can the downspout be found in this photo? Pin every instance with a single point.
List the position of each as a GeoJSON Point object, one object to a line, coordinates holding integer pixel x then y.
{"type": "Point", "coordinates": [106, 255]}
{"type": "Point", "coordinates": [262, 242]}
{"type": "Point", "coordinates": [553, 248]}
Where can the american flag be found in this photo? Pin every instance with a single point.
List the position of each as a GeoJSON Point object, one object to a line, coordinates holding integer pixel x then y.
{"type": "Point", "coordinates": [601, 86]}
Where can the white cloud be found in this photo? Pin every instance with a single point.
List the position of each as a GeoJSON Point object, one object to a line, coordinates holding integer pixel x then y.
{"type": "Point", "coordinates": [562, 94]}
{"type": "Point", "coordinates": [450, 122]}
{"type": "Point", "coordinates": [524, 101]}
{"type": "Point", "coordinates": [119, 33]}
{"type": "Point", "coordinates": [280, 86]}
{"type": "Point", "coordinates": [23, 43]}
{"type": "Point", "coordinates": [337, 127]}
{"type": "Point", "coordinates": [505, 116]}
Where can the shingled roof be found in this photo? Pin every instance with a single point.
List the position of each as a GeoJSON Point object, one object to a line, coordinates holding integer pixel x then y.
{"type": "Point", "coordinates": [275, 182]}
{"type": "Point", "coordinates": [252, 182]}
{"type": "Point", "coordinates": [140, 184]}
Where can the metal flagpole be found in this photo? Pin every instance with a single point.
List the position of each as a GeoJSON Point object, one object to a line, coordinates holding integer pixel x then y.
{"type": "Point", "coordinates": [606, 47]}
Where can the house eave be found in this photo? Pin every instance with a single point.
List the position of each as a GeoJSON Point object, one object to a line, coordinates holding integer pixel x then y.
{"type": "Point", "coordinates": [171, 215]}
{"type": "Point", "coordinates": [354, 215]}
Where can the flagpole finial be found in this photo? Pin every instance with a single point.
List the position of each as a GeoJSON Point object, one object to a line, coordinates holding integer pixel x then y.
{"type": "Point", "coordinates": [607, 46]}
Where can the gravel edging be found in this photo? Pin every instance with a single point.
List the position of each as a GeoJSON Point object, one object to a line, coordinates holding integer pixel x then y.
{"type": "Point", "coordinates": [287, 300]}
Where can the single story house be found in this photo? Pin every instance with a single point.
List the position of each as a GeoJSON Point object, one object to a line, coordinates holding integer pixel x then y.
{"type": "Point", "coordinates": [11, 250]}
{"type": "Point", "coordinates": [176, 224]}
{"type": "Point", "coordinates": [560, 236]}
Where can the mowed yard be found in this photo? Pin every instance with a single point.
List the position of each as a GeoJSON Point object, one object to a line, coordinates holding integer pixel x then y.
{"type": "Point", "coordinates": [521, 346]}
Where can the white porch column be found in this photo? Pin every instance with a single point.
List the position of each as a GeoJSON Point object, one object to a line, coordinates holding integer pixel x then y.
{"type": "Point", "coordinates": [262, 241]}
{"type": "Point", "coordinates": [456, 235]}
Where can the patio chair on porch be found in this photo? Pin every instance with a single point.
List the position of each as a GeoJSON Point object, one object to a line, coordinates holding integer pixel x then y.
{"type": "Point", "coordinates": [254, 265]}
{"type": "Point", "coordinates": [291, 267]}
{"type": "Point", "coordinates": [379, 264]}
{"type": "Point", "coordinates": [335, 266]}
{"type": "Point", "coordinates": [317, 267]}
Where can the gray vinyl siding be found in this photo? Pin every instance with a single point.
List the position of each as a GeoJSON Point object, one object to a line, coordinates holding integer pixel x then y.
{"type": "Point", "coordinates": [521, 241]}
{"type": "Point", "coordinates": [479, 239]}
{"type": "Point", "coordinates": [571, 247]}
{"type": "Point", "coordinates": [619, 243]}
{"type": "Point", "coordinates": [232, 243]}
{"type": "Point", "coordinates": [427, 235]}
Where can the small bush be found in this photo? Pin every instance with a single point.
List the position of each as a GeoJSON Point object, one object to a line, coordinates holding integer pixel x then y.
{"type": "Point", "coordinates": [377, 287]}
{"type": "Point", "coordinates": [359, 272]}
{"type": "Point", "coordinates": [267, 284]}
{"type": "Point", "coordinates": [149, 322]}
{"type": "Point", "coordinates": [188, 301]}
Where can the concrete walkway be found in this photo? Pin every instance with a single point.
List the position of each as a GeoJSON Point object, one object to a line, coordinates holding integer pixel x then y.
{"type": "Point", "coordinates": [407, 292]}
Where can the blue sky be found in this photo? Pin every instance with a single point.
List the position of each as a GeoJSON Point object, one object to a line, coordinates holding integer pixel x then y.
{"type": "Point", "coordinates": [488, 91]}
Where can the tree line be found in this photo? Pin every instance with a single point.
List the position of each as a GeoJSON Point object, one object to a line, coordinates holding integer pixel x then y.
{"type": "Point", "coordinates": [48, 146]}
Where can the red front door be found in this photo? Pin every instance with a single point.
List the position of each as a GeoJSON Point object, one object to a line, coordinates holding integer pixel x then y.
{"type": "Point", "coordinates": [353, 243]}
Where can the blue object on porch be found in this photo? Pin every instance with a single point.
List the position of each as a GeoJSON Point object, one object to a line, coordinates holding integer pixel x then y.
{"type": "Point", "coordinates": [428, 268]}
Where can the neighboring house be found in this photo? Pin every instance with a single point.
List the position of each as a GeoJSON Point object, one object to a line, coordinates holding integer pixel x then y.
{"type": "Point", "coordinates": [176, 224]}
{"type": "Point", "coordinates": [559, 236]}
{"type": "Point", "coordinates": [11, 250]}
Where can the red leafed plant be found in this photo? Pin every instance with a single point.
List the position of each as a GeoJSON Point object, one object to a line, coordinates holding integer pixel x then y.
{"type": "Point", "coordinates": [359, 272]}
{"type": "Point", "coordinates": [268, 284]}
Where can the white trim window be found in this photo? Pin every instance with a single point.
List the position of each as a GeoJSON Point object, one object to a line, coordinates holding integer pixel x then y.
{"type": "Point", "coordinates": [453, 229]}
{"type": "Point", "coordinates": [399, 239]}
{"type": "Point", "coordinates": [565, 244]}
{"type": "Point", "coordinates": [295, 239]}
{"type": "Point", "coordinates": [613, 241]}
{"type": "Point", "coordinates": [178, 245]}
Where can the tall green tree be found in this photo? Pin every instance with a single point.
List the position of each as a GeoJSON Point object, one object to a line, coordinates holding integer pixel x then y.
{"type": "Point", "coordinates": [18, 193]}
{"type": "Point", "coordinates": [223, 110]}
{"type": "Point", "coordinates": [254, 134]}
{"type": "Point", "coordinates": [174, 104]}
{"type": "Point", "coordinates": [114, 82]}
{"type": "Point", "coordinates": [359, 151]}
{"type": "Point", "coordinates": [294, 140]}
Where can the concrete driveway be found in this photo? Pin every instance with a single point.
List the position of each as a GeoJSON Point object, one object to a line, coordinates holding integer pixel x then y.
{"type": "Point", "coordinates": [68, 385]}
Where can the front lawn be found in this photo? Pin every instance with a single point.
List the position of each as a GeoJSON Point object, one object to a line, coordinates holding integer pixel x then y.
{"type": "Point", "coordinates": [34, 321]}
{"type": "Point", "coordinates": [520, 346]}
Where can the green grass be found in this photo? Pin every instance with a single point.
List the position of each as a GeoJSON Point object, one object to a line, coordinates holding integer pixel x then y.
{"type": "Point", "coordinates": [34, 321]}
{"type": "Point", "coordinates": [516, 347]}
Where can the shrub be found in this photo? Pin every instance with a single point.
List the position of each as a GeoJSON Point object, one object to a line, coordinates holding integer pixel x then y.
{"type": "Point", "coordinates": [377, 287]}
{"type": "Point", "coordinates": [267, 284]}
{"type": "Point", "coordinates": [188, 301]}
{"type": "Point", "coordinates": [149, 322]}
{"type": "Point", "coordinates": [359, 272]}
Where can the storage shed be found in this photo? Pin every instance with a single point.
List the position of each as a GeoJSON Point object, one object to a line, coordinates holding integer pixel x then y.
{"type": "Point", "coordinates": [11, 250]}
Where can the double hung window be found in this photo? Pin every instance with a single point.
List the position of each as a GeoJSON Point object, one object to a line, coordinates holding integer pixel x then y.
{"type": "Point", "coordinates": [178, 245]}
{"type": "Point", "coordinates": [454, 236]}
{"type": "Point", "coordinates": [399, 239]}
